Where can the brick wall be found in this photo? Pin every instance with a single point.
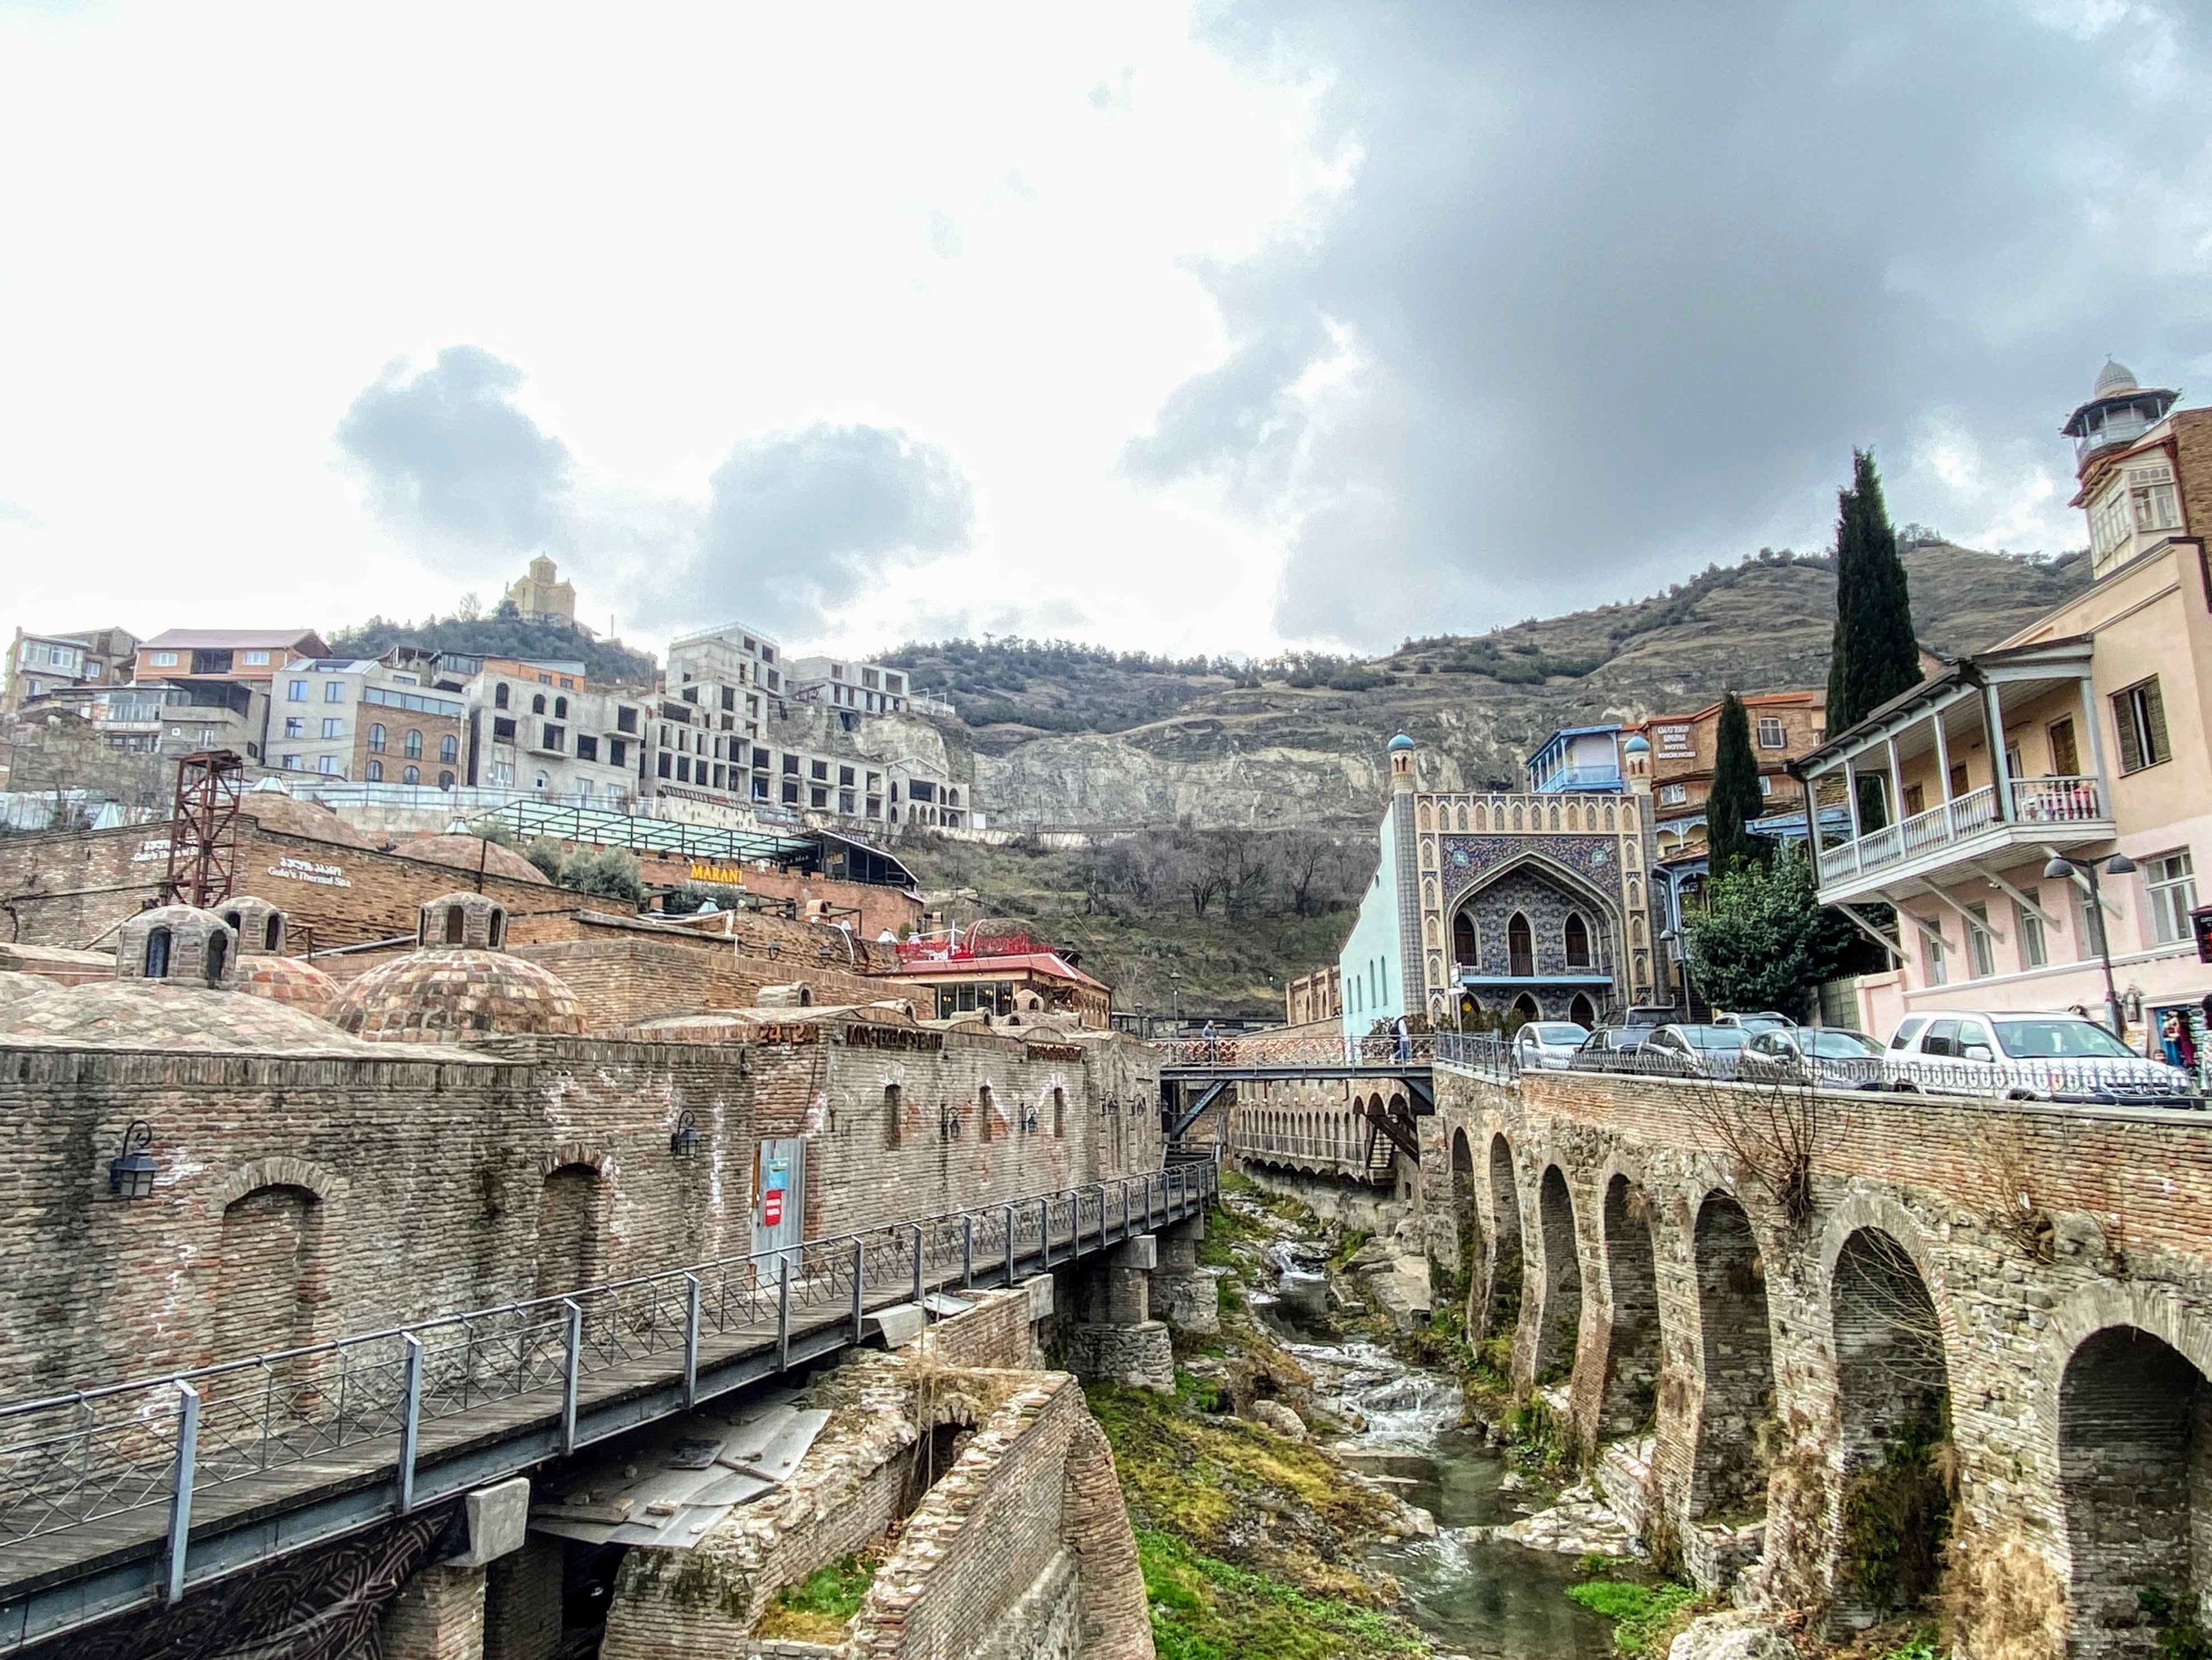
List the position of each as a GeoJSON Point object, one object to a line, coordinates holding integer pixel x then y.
{"type": "Point", "coordinates": [1786, 1353]}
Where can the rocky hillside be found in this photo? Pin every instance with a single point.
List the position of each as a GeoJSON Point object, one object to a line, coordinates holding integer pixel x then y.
{"type": "Point", "coordinates": [1119, 740]}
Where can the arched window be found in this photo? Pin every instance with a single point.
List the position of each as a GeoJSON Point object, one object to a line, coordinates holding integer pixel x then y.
{"type": "Point", "coordinates": [449, 748]}
{"type": "Point", "coordinates": [376, 739]}
{"type": "Point", "coordinates": [1581, 1012]}
{"type": "Point", "coordinates": [1464, 948]}
{"type": "Point", "coordinates": [561, 709]}
{"type": "Point", "coordinates": [157, 954]}
{"type": "Point", "coordinates": [410, 774]}
{"type": "Point", "coordinates": [1524, 1008]}
{"type": "Point", "coordinates": [1059, 1113]}
{"type": "Point", "coordinates": [373, 772]}
{"type": "Point", "coordinates": [498, 695]}
{"type": "Point", "coordinates": [495, 933]}
{"type": "Point", "coordinates": [455, 922]}
{"type": "Point", "coordinates": [1578, 951]}
{"type": "Point", "coordinates": [544, 781]}
{"type": "Point", "coordinates": [272, 935]}
{"type": "Point", "coordinates": [537, 703]}
{"type": "Point", "coordinates": [892, 1110]}
{"type": "Point", "coordinates": [413, 744]}
{"type": "Point", "coordinates": [218, 953]}
{"type": "Point", "coordinates": [1520, 948]}
{"type": "Point", "coordinates": [987, 1108]}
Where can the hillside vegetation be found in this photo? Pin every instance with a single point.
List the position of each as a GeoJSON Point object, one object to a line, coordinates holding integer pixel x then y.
{"type": "Point", "coordinates": [504, 633]}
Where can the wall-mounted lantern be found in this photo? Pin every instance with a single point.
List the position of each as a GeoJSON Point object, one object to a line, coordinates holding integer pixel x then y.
{"type": "Point", "coordinates": [1028, 1121]}
{"type": "Point", "coordinates": [948, 1126]}
{"type": "Point", "coordinates": [684, 1141]}
{"type": "Point", "coordinates": [130, 1175]}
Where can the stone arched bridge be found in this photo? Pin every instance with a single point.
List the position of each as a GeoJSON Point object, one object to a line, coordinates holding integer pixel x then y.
{"type": "Point", "coordinates": [2000, 1309]}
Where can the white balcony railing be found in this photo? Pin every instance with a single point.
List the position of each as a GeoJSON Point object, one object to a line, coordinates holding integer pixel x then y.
{"type": "Point", "coordinates": [2036, 801]}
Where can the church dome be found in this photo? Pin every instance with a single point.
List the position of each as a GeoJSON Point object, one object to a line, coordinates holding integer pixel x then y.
{"type": "Point", "coordinates": [2111, 380]}
{"type": "Point", "coordinates": [162, 1014]}
{"type": "Point", "coordinates": [292, 981]}
{"type": "Point", "coordinates": [456, 994]}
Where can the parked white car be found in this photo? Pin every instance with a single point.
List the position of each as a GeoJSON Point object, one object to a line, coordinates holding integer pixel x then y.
{"type": "Point", "coordinates": [1548, 1045]}
{"type": "Point", "coordinates": [2029, 1056]}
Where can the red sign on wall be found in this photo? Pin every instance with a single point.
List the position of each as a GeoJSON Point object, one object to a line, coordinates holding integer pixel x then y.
{"type": "Point", "coordinates": [772, 1208]}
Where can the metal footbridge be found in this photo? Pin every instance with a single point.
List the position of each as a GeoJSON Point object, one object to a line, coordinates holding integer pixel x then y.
{"type": "Point", "coordinates": [137, 1493]}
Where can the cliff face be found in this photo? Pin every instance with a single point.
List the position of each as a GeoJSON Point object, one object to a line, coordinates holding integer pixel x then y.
{"type": "Point", "coordinates": [1277, 754]}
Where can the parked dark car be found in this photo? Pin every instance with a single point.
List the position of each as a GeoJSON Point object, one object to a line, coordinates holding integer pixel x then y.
{"type": "Point", "coordinates": [1831, 1057]}
{"type": "Point", "coordinates": [1604, 1049]}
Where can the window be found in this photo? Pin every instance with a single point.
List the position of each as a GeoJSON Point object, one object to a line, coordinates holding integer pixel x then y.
{"type": "Point", "coordinates": [296, 692]}
{"type": "Point", "coordinates": [626, 720]}
{"type": "Point", "coordinates": [845, 776]}
{"type": "Point", "coordinates": [1765, 784]}
{"type": "Point", "coordinates": [334, 691]}
{"type": "Point", "coordinates": [1933, 957]}
{"type": "Point", "coordinates": [445, 780]}
{"type": "Point", "coordinates": [587, 749]}
{"type": "Point", "coordinates": [760, 760]}
{"type": "Point", "coordinates": [502, 729]}
{"type": "Point", "coordinates": [791, 765]}
{"type": "Point", "coordinates": [818, 797]}
{"type": "Point", "coordinates": [296, 725]}
{"type": "Point", "coordinates": [2171, 880]}
{"type": "Point", "coordinates": [376, 737]}
{"type": "Point", "coordinates": [2109, 528]}
{"type": "Point", "coordinates": [258, 658]}
{"type": "Point", "coordinates": [449, 748]}
{"type": "Point", "coordinates": [791, 792]}
{"type": "Point", "coordinates": [561, 709]}
{"type": "Point", "coordinates": [2034, 949]}
{"type": "Point", "coordinates": [617, 752]}
{"type": "Point", "coordinates": [161, 660]}
{"type": "Point", "coordinates": [1577, 942]}
{"type": "Point", "coordinates": [760, 790]}
{"type": "Point", "coordinates": [410, 774]}
{"type": "Point", "coordinates": [412, 744]}
{"type": "Point", "coordinates": [373, 772]}
{"type": "Point", "coordinates": [326, 763]}
{"type": "Point", "coordinates": [291, 763]}
{"type": "Point", "coordinates": [1916, 800]}
{"type": "Point", "coordinates": [845, 802]}
{"type": "Point", "coordinates": [498, 695]}
{"type": "Point", "coordinates": [820, 771]}
{"type": "Point", "coordinates": [1673, 795]}
{"type": "Point", "coordinates": [537, 703]}
{"type": "Point", "coordinates": [2150, 497]}
{"type": "Point", "coordinates": [1770, 732]}
{"type": "Point", "coordinates": [2139, 713]}
{"type": "Point", "coordinates": [555, 738]}
{"type": "Point", "coordinates": [2065, 758]}
{"type": "Point", "coordinates": [666, 765]}
{"type": "Point", "coordinates": [729, 697]}
{"type": "Point", "coordinates": [1981, 958]}
{"type": "Point", "coordinates": [333, 726]}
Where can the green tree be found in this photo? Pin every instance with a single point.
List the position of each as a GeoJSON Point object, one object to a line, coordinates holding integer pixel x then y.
{"type": "Point", "coordinates": [1876, 654]}
{"type": "Point", "coordinates": [1765, 942]}
{"type": "Point", "coordinates": [1735, 802]}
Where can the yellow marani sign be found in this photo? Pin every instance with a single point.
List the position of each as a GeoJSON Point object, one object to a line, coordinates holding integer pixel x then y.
{"type": "Point", "coordinates": [732, 876]}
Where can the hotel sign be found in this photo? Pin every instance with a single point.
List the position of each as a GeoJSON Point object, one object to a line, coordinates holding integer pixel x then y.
{"type": "Point", "coordinates": [731, 876]}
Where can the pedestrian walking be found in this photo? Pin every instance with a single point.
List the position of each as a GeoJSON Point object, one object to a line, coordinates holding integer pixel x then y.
{"type": "Point", "coordinates": [1405, 1035]}
{"type": "Point", "coordinates": [1212, 1057]}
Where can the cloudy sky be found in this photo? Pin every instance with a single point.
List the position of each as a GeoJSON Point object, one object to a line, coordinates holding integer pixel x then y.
{"type": "Point", "coordinates": [1212, 327]}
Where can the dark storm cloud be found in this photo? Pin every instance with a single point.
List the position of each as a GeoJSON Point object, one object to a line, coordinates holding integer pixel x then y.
{"type": "Point", "coordinates": [447, 454]}
{"type": "Point", "coordinates": [795, 523]}
{"type": "Point", "coordinates": [799, 523]}
{"type": "Point", "coordinates": [1623, 285]}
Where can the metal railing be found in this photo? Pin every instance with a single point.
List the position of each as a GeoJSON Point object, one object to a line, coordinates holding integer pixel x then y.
{"type": "Point", "coordinates": [1230, 1052]}
{"type": "Point", "coordinates": [1483, 1052]}
{"type": "Point", "coordinates": [70, 1459]}
{"type": "Point", "coordinates": [2108, 1082]}
{"type": "Point", "coordinates": [2059, 800]}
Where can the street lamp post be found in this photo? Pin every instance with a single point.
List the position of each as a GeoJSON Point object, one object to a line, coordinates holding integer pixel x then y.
{"type": "Point", "coordinates": [1175, 991]}
{"type": "Point", "coordinates": [1672, 939]}
{"type": "Point", "coordinates": [2061, 868]}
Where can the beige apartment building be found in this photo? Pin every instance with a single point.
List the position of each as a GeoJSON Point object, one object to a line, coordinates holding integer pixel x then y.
{"type": "Point", "coordinates": [81, 661]}
{"type": "Point", "coordinates": [2083, 738]}
{"type": "Point", "coordinates": [544, 729]}
{"type": "Point", "coordinates": [363, 720]}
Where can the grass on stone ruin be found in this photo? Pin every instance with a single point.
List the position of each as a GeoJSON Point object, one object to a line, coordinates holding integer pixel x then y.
{"type": "Point", "coordinates": [1646, 1619]}
{"type": "Point", "coordinates": [818, 1607]}
{"type": "Point", "coordinates": [1204, 1608]}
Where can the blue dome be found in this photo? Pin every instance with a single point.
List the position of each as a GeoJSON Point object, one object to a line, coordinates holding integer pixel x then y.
{"type": "Point", "coordinates": [1636, 745]}
{"type": "Point", "coordinates": [1400, 742]}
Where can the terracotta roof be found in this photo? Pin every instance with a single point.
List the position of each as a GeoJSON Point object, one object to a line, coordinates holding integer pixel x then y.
{"type": "Point", "coordinates": [446, 995]}
{"type": "Point", "coordinates": [232, 639]}
{"type": "Point", "coordinates": [1040, 962]}
{"type": "Point", "coordinates": [292, 981]}
{"type": "Point", "coordinates": [162, 1014]}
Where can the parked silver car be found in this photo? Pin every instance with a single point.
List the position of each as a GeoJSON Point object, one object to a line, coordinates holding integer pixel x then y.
{"type": "Point", "coordinates": [1682, 1051]}
{"type": "Point", "coordinates": [1548, 1045]}
{"type": "Point", "coordinates": [1831, 1057]}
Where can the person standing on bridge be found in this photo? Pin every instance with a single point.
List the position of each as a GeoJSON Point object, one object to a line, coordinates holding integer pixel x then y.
{"type": "Point", "coordinates": [1405, 1036]}
{"type": "Point", "coordinates": [1212, 1057]}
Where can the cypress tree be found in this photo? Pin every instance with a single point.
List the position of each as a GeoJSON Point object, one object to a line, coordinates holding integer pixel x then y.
{"type": "Point", "coordinates": [1876, 655]}
{"type": "Point", "coordinates": [1735, 802]}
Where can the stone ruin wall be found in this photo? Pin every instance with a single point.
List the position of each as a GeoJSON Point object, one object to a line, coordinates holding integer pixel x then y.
{"type": "Point", "coordinates": [1766, 1368]}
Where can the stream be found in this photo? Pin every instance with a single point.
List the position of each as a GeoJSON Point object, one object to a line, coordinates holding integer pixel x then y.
{"type": "Point", "coordinates": [1474, 1596]}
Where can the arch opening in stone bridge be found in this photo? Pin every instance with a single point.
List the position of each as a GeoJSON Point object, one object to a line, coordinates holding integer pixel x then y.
{"type": "Point", "coordinates": [1561, 1309]}
{"type": "Point", "coordinates": [1466, 1224]}
{"type": "Point", "coordinates": [1728, 1480]}
{"type": "Point", "coordinates": [1501, 1303]}
{"type": "Point", "coordinates": [1630, 1398]}
{"type": "Point", "coordinates": [1893, 1396]}
{"type": "Point", "coordinates": [2135, 1465]}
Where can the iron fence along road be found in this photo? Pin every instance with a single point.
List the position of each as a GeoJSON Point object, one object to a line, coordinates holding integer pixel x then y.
{"type": "Point", "coordinates": [1232, 1053]}
{"type": "Point", "coordinates": [154, 1458]}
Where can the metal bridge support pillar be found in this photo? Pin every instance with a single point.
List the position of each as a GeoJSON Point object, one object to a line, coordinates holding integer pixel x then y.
{"type": "Point", "coordinates": [1187, 1297]}
{"type": "Point", "coordinates": [1115, 1339]}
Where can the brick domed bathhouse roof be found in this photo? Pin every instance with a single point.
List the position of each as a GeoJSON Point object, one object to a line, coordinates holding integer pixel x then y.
{"type": "Point", "coordinates": [160, 1014]}
{"type": "Point", "coordinates": [289, 979]}
{"type": "Point", "coordinates": [275, 808]}
{"type": "Point", "coordinates": [15, 986]}
{"type": "Point", "coordinates": [462, 853]}
{"type": "Point", "coordinates": [458, 986]}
